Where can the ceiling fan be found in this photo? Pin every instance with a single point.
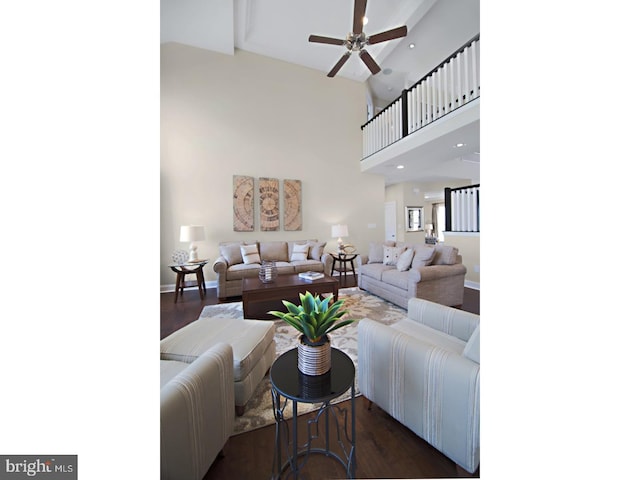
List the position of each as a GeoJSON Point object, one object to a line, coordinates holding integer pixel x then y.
{"type": "Point", "coordinates": [357, 40]}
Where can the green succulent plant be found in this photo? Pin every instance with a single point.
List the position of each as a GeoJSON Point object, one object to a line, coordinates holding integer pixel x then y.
{"type": "Point", "coordinates": [314, 317]}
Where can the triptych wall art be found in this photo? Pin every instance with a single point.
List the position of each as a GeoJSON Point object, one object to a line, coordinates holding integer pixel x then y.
{"type": "Point", "coordinates": [269, 204]}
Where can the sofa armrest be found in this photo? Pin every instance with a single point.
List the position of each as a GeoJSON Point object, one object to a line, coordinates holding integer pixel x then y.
{"type": "Point", "coordinates": [327, 261]}
{"type": "Point", "coordinates": [220, 266]}
{"type": "Point", "coordinates": [197, 414]}
{"type": "Point", "coordinates": [434, 272]}
{"type": "Point", "coordinates": [433, 392]}
{"type": "Point", "coordinates": [451, 321]}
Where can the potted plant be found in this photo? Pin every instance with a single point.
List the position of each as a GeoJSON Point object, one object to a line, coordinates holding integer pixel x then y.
{"type": "Point", "coordinates": [314, 318]}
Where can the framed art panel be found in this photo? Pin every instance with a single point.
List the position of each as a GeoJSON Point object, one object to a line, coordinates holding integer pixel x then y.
{"type": "Point", "coordinates": [243, 217]}
{"type": "Point", "coordinates": [292, 205]}
{"type": "Point", "coordinates": [269, 204]}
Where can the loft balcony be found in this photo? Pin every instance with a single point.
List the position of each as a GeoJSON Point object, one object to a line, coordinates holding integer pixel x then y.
{"type": "Point", "coordinates": [427, 119]}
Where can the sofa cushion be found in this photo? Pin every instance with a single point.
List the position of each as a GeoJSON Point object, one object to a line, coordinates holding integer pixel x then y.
{"type": "Point", "coordinates": [391, 255]}
{"type": "Point", "coordinates": [275, 251]}
{"type": "Point", "coordinates": [396, 278]}
{"type": "Point", "coordinates": [316, 249]}
{"type": "Point", "coordinates": [300, 252]}
{"type": "Point", "coordinates": [423, 256]}
{"type": "Point", "coordinates": [285, 268]}
{"type": "Point", "coordinates": [240, 271]}
{"type": "Point", "coordinates": [430, 335]}
{"type": "Point", "coordinates": [250, 254]}
{"type": "Point", "coordinates": [231, 252]}
{"type": "Point", "coordinates": [308, 265]}
{"type": "Point", "coordinates": [249, 340]}
{"type": "Point", "coordinates": [374, 270]}
{"type": "Point", "coordinates": [404, 260]}
{"type": "Point", "coordinates": [445, 255]}
{"type": "Point", "coordinates": [472, 349]}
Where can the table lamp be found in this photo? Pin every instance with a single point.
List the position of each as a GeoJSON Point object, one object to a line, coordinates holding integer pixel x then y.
{"type": "Point", "coordinates": [192, 234]}
{"type": "Point", "coordinates": [339, 231]}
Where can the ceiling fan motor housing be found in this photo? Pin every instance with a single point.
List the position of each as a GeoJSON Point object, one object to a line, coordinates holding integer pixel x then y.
{"type": "Point", "coordinates": [356, 42]}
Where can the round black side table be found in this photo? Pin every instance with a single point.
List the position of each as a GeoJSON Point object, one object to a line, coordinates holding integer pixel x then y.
{"type": "Point", "coordinates": [288, 382]}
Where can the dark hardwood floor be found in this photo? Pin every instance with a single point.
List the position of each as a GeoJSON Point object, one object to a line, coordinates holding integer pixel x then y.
{"type": "Point", "coordinates": [385, 448]}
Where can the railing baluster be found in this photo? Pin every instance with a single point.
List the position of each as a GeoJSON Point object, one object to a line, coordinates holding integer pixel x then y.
{"type": "Point", "coordinates": [412, 110]}
{"type": "Point", "coordinates": [474, 73]}
{"type": "Point", "coordinates": [459, 80]}
{"type": "Point", "coordinates": [445, 89]}
{"type": "Point", "coordinates": [429, 99]}
{"type": "Point", "coordinates": [466, 74]}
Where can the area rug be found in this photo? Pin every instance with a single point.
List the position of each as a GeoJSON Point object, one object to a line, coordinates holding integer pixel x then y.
{"type": "Point", "coordinates": [360, 304]}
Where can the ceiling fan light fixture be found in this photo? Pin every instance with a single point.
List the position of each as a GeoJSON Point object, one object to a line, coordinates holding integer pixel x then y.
{"type": "Point", "coordinates": [357, 40]}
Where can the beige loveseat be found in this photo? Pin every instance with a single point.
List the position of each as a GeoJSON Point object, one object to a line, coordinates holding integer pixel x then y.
{"type": "Point", "coordinates": [425, 372]}
{"type": "Point", "coordinates": [239, 260]}
{"type": "Point", "coordinates": [400, 271]}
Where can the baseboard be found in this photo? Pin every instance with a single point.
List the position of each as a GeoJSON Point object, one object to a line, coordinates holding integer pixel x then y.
{"type": "Point", "coordinates": [172, 288]}
{"type": "Point", "coordinates": [472, 285]}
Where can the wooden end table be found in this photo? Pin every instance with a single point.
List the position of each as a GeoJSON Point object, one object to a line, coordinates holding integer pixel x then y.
{"type": "Point", "coordinates": [344, 260]}
{"type": "Point", "coordinates": [184, 269]}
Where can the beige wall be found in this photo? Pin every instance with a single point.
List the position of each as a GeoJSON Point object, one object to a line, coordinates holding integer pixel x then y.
{"type": "Point", "coordinates": [469, 247]}
{"type": "Point", "coordinates": [250, 115]}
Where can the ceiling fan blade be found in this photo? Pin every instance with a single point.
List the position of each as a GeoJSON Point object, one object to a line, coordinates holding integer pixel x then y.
{"type": "Point", "coordinates": [359, 8]}
{"type": "Point", "coordinates": [388, 35]}
{"type": "Point", "coordinates": [369, 62]}
{"type": "Point", "coordinates": [339, 65]}
{"type": "Point", "coordinates": [329, 40]}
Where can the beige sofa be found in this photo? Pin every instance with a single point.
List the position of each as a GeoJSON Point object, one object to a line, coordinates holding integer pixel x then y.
{"type": "Point", "coordinates": [232, 266]}
{"type": "Point", "coordinates": [196, 412]}
{"type": "Point", "coordinates": [425, 372]}
{"type": "Point", "coordinates": [400, 271]}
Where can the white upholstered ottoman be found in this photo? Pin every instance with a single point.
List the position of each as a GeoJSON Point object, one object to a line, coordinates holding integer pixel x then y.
{"type": "Point", "coordinates": [252, 342]}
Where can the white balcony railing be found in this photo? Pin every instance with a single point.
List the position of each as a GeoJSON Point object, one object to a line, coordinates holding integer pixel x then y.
{"type": "Point", "coordinates": [452, 84]}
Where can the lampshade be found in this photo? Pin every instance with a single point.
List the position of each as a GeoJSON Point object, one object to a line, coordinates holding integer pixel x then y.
{"type": "Point", "coordinates": [191, 233]}
{"type": "Point", "coordinates": [339, 231]}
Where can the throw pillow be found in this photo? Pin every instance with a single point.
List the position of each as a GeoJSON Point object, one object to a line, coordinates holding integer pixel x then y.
{"type": "Point", "coordinates": [376, 250]}
{"type": "Point", "coordinates": [250, 254]}
{"type": "Point", "coordinates": [376, 253]}
{"type": "Point", "coordinates": [391, 255]}
{"type": "Point", "coordinates": [316, 249]}
{"type": "Point", "coordinates": [423, 256]}
{"type": "Point", "coordinates": [231, 253]}
{"type": "Point", "coordinates": [300, 252]}
{"type": "Point", "coordinates": [445, 255]}
{"type": "Point", "coordinates": [472, 348]}
{"type": "Point", "coordinates": [404, 260]}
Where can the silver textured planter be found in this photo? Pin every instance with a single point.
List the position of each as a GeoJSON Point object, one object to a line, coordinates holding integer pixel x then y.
{"type": "Point", "coordinates": [314, 358]}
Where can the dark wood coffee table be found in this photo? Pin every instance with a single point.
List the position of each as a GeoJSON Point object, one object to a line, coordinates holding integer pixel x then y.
{"type": "Point", "coordinates": [258, 298]}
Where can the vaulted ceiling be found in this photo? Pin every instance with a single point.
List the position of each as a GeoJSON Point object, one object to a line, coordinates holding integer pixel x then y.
{"type": "Point", "coordinates": [280, 29]}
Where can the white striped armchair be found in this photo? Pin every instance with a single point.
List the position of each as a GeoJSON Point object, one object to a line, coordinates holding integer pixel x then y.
{"type": "Point", "coordinates": [425, 372]}
{"type": "Point", "coordinates": [196, 412]}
